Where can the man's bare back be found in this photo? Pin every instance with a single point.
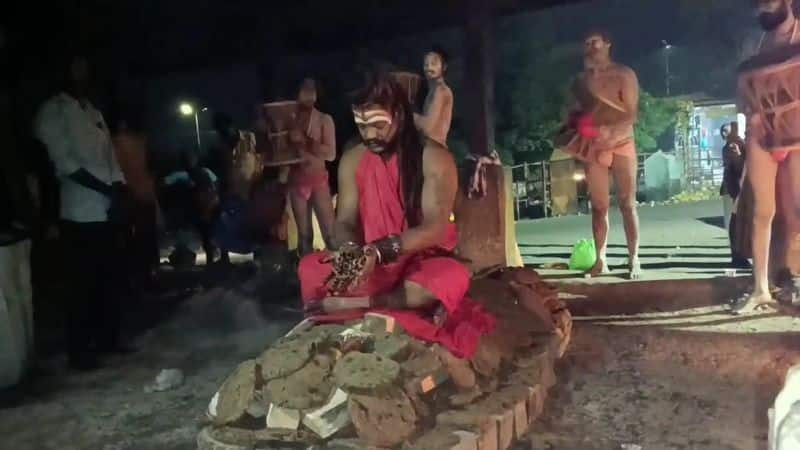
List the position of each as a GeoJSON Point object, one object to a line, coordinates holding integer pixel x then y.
{"type": "Point", "coordinates": [437, 112]}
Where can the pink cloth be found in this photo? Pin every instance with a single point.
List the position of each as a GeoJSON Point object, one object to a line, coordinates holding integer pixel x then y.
{"type": "Point", "coordinates": [304, 184]}
{"type": "Point", "coordinates": [382, 214]}
{"type": "Point", "coordinates": [584, 125]}
{"type": "Point", "coordinates": [780, 156]}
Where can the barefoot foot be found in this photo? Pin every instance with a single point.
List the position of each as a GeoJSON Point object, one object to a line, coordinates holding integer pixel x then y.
{"type": "Point", "coordinates": [634, 268]}
{"type": "Point", "coordinates": [751, 303]}
{"type": "Point", "coordinates": [600, 268]}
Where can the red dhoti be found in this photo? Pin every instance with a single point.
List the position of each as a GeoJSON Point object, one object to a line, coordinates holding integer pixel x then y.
{"type": "Point", "coordinates": [382, 213]}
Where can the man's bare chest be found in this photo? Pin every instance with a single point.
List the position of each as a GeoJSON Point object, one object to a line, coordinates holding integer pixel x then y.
{"type": "Point", "coordinates": [607, 85]}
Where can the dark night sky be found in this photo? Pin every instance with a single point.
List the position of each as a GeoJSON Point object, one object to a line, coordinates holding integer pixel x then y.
{"type": "Point", "coordinates": [201, 45]}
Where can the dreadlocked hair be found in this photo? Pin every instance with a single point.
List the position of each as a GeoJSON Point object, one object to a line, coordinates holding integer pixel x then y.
{"type": "Point", "coordinates": [382, 90]}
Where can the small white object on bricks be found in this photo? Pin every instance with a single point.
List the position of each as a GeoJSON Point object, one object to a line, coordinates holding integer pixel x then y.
{"type": "Point", "coordinates": [16, 312]}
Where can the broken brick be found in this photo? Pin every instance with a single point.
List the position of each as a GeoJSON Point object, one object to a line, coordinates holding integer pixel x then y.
{"type": "Point", "coordinates": [521, 422]}
{"type": "Point", "coordinates": [505, 429]}
{"type": "Point", "coordinates": [466, 441]}
{"type": "Point", "coordinates": [380, 323]}
{"type": "Point", "coordinates": [535, 402]}
{"type": "Point", "coordinates": [489, 437]}
{"type": "Point", "coordinates": [283, 418]}
{"type": "Point", "coordinates": [459, 369]}
{"type": "Point", "coordinates": [329, 419]}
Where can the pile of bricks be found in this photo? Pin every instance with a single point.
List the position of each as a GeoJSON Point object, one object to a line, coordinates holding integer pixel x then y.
{"type": "Point", "coordinates": [369, 386]}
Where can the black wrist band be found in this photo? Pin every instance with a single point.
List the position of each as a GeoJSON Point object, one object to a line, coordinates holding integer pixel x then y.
{"type": "Point", "coordinates": [388, 248]}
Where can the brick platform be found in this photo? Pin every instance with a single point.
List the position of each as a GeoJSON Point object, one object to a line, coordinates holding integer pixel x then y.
{"type": "Point", "coordinates": [485, 403]}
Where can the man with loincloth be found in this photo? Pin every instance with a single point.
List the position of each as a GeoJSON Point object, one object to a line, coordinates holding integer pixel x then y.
{"type": "Point", "coordinates": [437, 112]}
{"type": "Point", "coordinates": [606, 85]}
{"type": "Point", "coordinates": [314, 136]}
{"type": "Point", "coordinates": [392, 231]}
{"type": "Point", "coordinates": [773, 163]}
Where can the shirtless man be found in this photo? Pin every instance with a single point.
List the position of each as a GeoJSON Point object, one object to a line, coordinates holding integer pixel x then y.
{"type": "Point", "coordinates": [434, 122]}
{"type": "Point", "coordinates": [616, 86]}
{"type": "Point", "coordinates": [781, 30]}
{"type": "Point", "coordinates": [315, 138]}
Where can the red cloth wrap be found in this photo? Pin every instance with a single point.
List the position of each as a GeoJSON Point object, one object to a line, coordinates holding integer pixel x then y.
{"type": "Point", "coordinates": [304, 183]}
{"type": "Point", "coordinates": [382, 214]}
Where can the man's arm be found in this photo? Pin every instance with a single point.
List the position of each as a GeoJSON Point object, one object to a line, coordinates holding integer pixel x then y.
{"type": "Point", "coordinates": [442, 98]}
{"type": "Point", "coordinates": [630, 96]}
{"type": "Point", "coordinates": [346, 228]}
{"type": "Point", "coordinates": [439, 189]}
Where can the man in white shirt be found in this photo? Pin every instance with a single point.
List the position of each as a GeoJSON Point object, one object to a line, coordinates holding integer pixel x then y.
{"type": "Point", "coordinates": [79, 145]}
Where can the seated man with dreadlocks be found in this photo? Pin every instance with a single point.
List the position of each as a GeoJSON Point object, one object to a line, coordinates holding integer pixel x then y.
{"type": "Point", "coordinates": [393, 236]}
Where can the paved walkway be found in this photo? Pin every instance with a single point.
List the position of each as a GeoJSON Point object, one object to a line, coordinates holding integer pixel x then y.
{"type": "Point", "coordinates": [684, 241]}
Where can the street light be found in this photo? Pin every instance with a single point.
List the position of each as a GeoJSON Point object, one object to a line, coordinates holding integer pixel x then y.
{"type": "Point", "coordinates": [187, 110]}
{"type": "Point", "coordinates": [667, 48]}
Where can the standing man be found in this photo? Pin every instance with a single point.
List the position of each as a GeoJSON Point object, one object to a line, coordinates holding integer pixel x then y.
{"type": "Point", "coordinates": [314, 135]}
{"type": "Point", "coordinates": [79, 144]}
{"type": "Point", "coordinates": [17, 223]}
{"type": "Point", "coordinates": [437, 112]}
{"type": "Point", "coordinates": [733, 156]}
{"type": "Point", "coordinates": [773, 146]}
{"type": "Point", "coordinates": [608, 86]}
{"type": "Point", "coordinates": [130, 146]}
{"type": "Point", "coordinates": [239, 166]}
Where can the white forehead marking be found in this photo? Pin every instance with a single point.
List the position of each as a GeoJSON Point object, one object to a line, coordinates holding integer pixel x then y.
{"type": "Point", "coordinates": [371, 116]}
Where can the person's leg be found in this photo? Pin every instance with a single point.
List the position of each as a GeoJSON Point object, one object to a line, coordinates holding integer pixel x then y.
{"type": "Point", "coordinates": [427, 282]}
{"type": "Point", "coordinates": [322, 202]}
{"type": "Point", "coordinates": [78, 280]}
{"type": "Point", "coordinates": [738, 261]}
{"type": "Point", "coordinates": [789, 279]}
{"type": "Point", "coordinates": [302, 218]}
{"type": "Point", "coordinates": [597, 181]}
{"type": "Point", "coordinates": [111, 290]}
{"type": "Point", "coordinates": [762, 171]}
{"type": "Point", "coordinates": [727, 208]}
{"type": "Point", "coordinates": [624, 168]}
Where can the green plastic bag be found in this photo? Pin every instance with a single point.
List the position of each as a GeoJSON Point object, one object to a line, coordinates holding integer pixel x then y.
{"type": "Point", "coordinates": [583, 256]}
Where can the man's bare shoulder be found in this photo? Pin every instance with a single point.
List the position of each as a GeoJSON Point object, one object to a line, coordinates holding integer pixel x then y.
{"type": "Point", "coordinates": [437, 158]}
{"type": "Point", "coordinates": [444, 90]}
{"type": "Point", "coordinates": [351, 157]}
{"type": "Point", "coordinates": [625, 71]}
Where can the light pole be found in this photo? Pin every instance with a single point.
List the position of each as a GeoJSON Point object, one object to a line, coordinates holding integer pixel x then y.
{"type": "Point", "coordinates": [667, 48]}
{"type": "Point", "coordinates": [187, 110]}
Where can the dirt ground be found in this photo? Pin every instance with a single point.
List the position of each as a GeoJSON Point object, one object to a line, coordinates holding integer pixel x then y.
{"type": "Point", "coordinates": [653, 365]}
{"type": "Point", "coordinates": [688, 378]}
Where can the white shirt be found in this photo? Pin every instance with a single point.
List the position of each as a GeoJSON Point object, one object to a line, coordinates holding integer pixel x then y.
{"type": "Point", "coordinates": [77, 137]}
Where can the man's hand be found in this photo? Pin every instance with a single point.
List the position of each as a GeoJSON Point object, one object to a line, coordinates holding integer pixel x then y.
{"type": "Point", "coordinates": [331, 305]}
{"type": "Point", "coordinates": [352, 265]}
